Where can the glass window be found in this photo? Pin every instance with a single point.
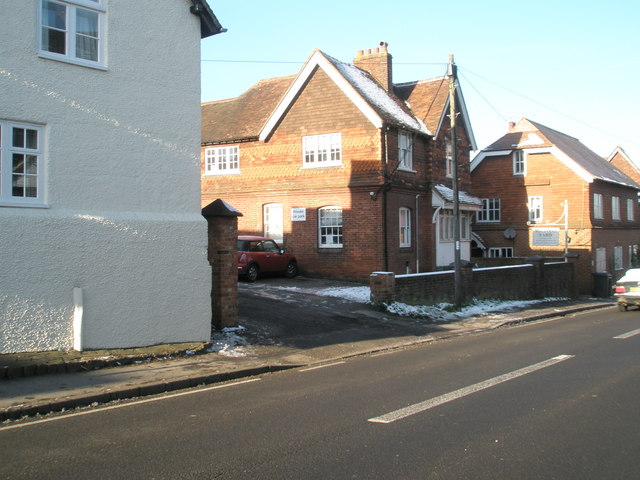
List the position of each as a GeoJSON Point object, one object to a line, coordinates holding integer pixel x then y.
{"type": "Point", "coordinates": [405, 151]}
{"type": "Point", "coordinates": [535, 209]}
{"type": "Point", "coordinates": [519, 162]}
{"type": "Point", "coordinates": [630, 215]}
{"type": "Point", "coordinates": [490, 210]}
{"type": "Point", "coordinates": [449, 159]}
{"type": "Point", "coordinates": [322, 150]}
{"type": "Point", "coordinates": [598, 212]}
{"type": "Point", "coordinates": [273, 221]}
{"type": "Point", "coordinates": [500, 252]}
{"type": "Point", "coordinates": [222, 160]}
{"type": "Point", "coordinates": [330, 227]}
{"type": "Point", "coordinates": [405, 227]}
{"type": "Point", "coordinates": [615, 208]}
{"type": "Point", "coordinates": [21, 164]}
{"type": "Point", "coordinates": [617, 258]}
{"type": "Point", "coordinates": [71, 30]}
{"type": "Point", "coordinates": [601, 260]}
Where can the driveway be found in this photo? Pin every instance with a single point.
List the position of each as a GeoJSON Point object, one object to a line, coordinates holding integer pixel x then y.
{"type": "Point", "coordinates": [296, 312]}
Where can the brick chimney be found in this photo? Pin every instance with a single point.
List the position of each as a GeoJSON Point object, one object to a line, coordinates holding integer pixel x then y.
{"type": "Point", "coordinates": [378, 63]}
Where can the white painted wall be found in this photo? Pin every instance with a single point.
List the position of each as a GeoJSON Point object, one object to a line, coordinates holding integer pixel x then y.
{"type": "Point", "coordinates": [122, 185]}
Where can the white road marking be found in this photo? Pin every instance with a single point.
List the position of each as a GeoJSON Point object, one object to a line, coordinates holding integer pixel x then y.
{"type": "Point", "coordinates": [448, 397]}
{"type": "Point", "coordinates": [628, 334]}
{"type": "Point", "coordinates": [128, 404]}
{"type": "Point", "coordinates": [320, 366]}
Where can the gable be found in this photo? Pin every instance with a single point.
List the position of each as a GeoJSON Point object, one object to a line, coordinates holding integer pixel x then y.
{"type": "Point", "coordinates": [364, 92]}
{"type": "Point", "coordinates": [429, 100]}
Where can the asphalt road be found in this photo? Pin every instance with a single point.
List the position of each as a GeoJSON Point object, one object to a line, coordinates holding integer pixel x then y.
{"type": "Point", "coordinates": [555, 399]}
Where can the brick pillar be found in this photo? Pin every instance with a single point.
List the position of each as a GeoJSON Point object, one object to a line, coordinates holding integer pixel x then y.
{"type": "Point", "coordinates": [383, 287]}
{"type": "Point", "coordinates": [538, 289]}
{"type": "Point", "coordinates": [222, 221]}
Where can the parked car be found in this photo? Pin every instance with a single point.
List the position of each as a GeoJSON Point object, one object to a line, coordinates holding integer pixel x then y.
{"type": "Point", "coordinates": [627, 289]}
{"type": "Point", "coordinates": [258, 255]}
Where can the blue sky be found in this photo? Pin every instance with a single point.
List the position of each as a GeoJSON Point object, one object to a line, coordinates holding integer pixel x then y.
{"type": "Point", "coordinates": [570, 65]}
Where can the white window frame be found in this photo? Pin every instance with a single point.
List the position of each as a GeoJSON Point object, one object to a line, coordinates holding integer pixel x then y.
{"type": "Point", "coordinates": [615, 208]}
{"type": "Point", "coordinates": [273, 221]}
{"type": "Point", "coordinates": [323, 150]}
{"type": "Point", "coordinates": [598, 210]}
{"type": "Point", "coordinates": [330, 224]}
{"type": "Point", "coordinates": [405, 151]}
{"type": "Point", "coordinates": [404, 220]}
{"type": "Point", "coordinates": [618, 263]}
{"type": "Point", "coordinates": [9, 151]}
{"type": "Point", "coordinates": [490, 212]}
{"type": "Point", "coordinates": [224, 160]}
{"type": "Point", "coordinates": [519, 162]}
{"type": "Point", "coordinates": [447, 226]}
{"type": "Point", "coordinates": [535, 204]}
{"type": "Point", "coordinates": [500, 252]}
{"type": "Point", "coordinates": [70, 30]}
{"type": "Point", "coordinates": [449, 159]}
{"type": "Point", "coordinates": [630, 212]}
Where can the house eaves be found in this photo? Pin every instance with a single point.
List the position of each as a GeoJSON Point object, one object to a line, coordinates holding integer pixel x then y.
{"type": "Point", "coordinates": [209, 24]}
{"type": "Point", "coordinates": [364, 92]}
{"type": "Point", "coordinates": [442, 197]}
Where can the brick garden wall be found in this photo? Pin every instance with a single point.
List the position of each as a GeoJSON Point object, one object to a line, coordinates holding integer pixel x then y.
{"type": "Point", "coordinates": [519, 282]}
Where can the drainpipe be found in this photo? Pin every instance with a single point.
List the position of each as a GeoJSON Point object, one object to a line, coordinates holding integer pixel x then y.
{"type": "Point", "coordinates": [418, 232]}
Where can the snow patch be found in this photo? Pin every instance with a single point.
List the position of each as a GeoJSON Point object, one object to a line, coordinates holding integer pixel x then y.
{"type": "Point", "coordinates": [229, 342]}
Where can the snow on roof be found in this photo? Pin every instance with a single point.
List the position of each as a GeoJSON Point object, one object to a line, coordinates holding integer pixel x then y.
{"type": "Point", "coordinates": [447, 194]}
{"type": "Point", "coordinates": [377, 96]}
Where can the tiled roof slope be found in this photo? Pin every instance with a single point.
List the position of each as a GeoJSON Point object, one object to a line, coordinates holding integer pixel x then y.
{"type": "Point", "coordinates": [243, 117]}
{"type": "Point", "coordinates": [417, 106]}
{"type": "Point", "coordinates": [530, 134]}
{"type": "Point", "coordinates": [427, 99]}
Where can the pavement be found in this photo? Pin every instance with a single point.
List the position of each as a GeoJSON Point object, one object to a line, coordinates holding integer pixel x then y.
{"type": "Point", "coordinates": [285, 323]}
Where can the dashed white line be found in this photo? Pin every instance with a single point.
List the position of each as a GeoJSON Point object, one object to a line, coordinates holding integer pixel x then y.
{"type": "Point", "coordinates": [628, 334]}
{"type": "Point", "coordinates": [462, 392]}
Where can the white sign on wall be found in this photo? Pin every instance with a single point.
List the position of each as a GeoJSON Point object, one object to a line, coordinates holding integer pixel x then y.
{"type": "Point", "coordinates": [298, 214]}
{"type": "Point", "coordinates": [545, 237]}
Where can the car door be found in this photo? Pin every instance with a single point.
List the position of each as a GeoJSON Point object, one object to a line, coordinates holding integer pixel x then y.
{"type": "Point", "coordinates": [272, 259]}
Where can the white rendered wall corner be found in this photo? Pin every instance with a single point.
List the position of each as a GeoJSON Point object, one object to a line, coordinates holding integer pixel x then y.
{"type": "Point", "coordinates": [120, 221]}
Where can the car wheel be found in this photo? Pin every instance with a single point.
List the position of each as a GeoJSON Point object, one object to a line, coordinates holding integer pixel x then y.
{"type": "Point", "coordinates": [292, 270]}
{"type": "Point", "coordinates": [252, 273]}
{"type": "Point", "coordinates": [622, 307]}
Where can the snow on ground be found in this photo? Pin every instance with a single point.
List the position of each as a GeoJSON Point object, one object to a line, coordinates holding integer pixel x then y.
{"type": "Point", "coordinates": [441, 312]}
{"type": "Point", "coordinates": [229, 342]}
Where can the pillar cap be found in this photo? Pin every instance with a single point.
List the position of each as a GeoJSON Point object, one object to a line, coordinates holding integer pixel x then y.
{"type": "Point", "coordinates": [220, 208]}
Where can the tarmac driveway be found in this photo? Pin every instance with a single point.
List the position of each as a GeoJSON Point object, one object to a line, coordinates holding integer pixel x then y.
{"type": "Point", "coordinates": [292, 312]}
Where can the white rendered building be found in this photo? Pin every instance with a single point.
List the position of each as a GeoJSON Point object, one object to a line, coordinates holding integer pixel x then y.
{"type": "Point", "coordinates": [103, 244]}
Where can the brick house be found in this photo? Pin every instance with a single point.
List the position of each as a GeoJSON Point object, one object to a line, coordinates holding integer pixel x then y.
{"type": "Point", "coordinates": [346, 169]}
{"type": "Point", "coordinates": [545, 193]}
{"type": "Point", "coordinates": [622, 162]}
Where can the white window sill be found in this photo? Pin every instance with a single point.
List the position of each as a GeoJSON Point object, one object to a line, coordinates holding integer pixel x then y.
{"type": "Point", "coordinates": [72, 61]}
{"type": "Point", "coordinates": [408, 170]}
{"type": "Point", "coordinates": [23, 205]}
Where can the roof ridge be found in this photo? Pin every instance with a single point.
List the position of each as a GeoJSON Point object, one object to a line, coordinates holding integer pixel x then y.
{"type": "Point", "coordinates": [419, 82]}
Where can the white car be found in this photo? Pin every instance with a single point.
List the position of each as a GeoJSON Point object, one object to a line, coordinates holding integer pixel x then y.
{"type": "Point", "coordinates": [627, 289]}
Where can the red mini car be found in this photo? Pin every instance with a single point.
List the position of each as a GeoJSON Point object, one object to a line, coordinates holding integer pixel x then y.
{"type": "Point", "coordinates": [258, 255]}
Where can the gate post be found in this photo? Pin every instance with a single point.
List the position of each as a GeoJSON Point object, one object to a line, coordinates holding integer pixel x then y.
{"type": "Point", "coordinates": [222, 247]}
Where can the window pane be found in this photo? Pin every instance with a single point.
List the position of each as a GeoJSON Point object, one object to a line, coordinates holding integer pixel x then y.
{"type": "Point", "coordinates": [18, 163]}
{"type": "Point", "coordinates": [87, 35]}
{"type": "Point", "coordinates": [18, 137]}
{"type": "Point", "coordinates": [31, 187]}
{"type": "Point", "coordinates": [54, 15]}
{"type": "Point", "coordinates": [32, 139]}
{"type": "Point", "coordinates": [31, 164]}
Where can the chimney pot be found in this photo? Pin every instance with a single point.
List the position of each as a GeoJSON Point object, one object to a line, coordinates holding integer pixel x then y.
{"type": "Point", "coordinates": [360, 53]}
{"type": "Point", "coordinates": [368, 51]}
{"type": "Point", "coordinates": [511, 125]}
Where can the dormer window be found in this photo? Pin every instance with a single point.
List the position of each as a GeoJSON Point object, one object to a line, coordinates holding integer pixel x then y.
{"type": "Point", "coordinates": [449, 159]}
{"type": "Point", "coordinates": [519, 162]}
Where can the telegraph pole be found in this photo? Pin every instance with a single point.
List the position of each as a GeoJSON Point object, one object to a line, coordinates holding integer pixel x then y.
{"type": "Point", "coordinates": [452, 74]}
